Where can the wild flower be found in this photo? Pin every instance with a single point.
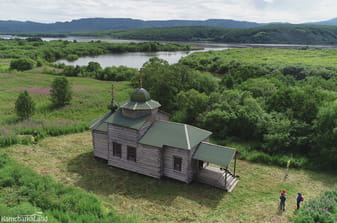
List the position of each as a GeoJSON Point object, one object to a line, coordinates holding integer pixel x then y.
{"type": "Point", "coordinates": [37, 90]}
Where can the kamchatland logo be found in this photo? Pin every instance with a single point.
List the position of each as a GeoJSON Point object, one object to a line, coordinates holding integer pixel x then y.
{"type": "Point", "coordinates": [37, 217]}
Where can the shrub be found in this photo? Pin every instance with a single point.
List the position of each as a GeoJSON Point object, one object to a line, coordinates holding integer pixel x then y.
{"type": "Point", "coordinates": [322, 209]}
{"type": "Point", "coordinates": [24, 105]}
{"type": "Point", "coordinates": [22, 64]}
{"type": "Point", "coordinates": [60, 92]}
{"type": "Point", "coordinates": [72, 57]}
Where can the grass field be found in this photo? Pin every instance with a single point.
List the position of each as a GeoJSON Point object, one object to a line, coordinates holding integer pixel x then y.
{"type": "Point", "coordinates": [90, 100]}
{"type": "Point", "coordinates": [270, 56]}
{"type": "Point", "coordinates": [69, 159]}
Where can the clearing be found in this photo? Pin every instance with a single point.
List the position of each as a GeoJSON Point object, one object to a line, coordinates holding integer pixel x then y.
{"type": "Point", "coordinates": [69, 159]}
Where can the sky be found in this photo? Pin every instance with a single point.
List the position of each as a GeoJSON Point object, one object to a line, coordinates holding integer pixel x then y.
{"type": "Point", "coordinates": [49, 11]}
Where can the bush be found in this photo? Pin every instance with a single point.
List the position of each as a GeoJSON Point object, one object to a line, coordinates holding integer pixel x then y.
{"type": "Point", "coordinates": [60, 92]}
{"type": "Point", "coordinates": [322, 209]}
{"type": "Point", "coordinates": [22, 64]}
{"type": "Point", "coordinates": [72, 57]}
{"type": "Point", "coordinates": [24, 105]}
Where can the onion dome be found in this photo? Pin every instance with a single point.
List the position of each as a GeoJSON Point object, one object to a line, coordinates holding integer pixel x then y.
{"type": "Point", "coordinates": [140, 100]}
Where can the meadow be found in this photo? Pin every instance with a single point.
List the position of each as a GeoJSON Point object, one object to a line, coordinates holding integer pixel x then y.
{"type": "Point", "coordinates": [69, 159]}
{"type": "Point", "coordinates": [306, 60]}
{"type": "Point", "coordinates": [90, 100]}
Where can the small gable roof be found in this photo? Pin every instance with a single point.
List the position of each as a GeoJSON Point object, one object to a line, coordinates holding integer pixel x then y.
{"type": "Point", "coordinates": [116, 118]}
{"type": "Point", "coordinates": [165, 133]}
{"type": "Point", "coordinates": [214, 154]}
{"type": "Point", "coordinates": [99, 124]}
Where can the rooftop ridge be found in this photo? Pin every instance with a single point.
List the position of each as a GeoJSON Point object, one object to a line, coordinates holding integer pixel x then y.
{"type": "Point", "coordinates": [187, 137]}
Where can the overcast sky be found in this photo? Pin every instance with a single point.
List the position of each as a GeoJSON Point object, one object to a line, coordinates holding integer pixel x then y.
{"type": "Point", "coordinates": [294, 11]}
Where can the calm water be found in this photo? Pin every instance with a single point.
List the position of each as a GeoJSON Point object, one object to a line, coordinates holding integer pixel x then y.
{"type": "Point", "coordinates": [137, 60]}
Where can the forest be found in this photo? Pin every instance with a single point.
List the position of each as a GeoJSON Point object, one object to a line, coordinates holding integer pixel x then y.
{"type": "Point", "coordinates": [284, 108]}
{"type": "Point", "coordinates": [269, 34]}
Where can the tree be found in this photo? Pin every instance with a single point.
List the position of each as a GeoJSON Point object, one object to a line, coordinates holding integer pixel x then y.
{"type": "Point", "coordinates": [190, 105]}
{"type": "Point", "coordinates": [60, 92]}
{"type": "Point", "coordinates": [24, 105]}
{"type": "Point", "coordinates": [325, 140]}
{"type": "Point", "coordinates": [93, 67]}
{"type": "Point", "coordinates": [22, 64]}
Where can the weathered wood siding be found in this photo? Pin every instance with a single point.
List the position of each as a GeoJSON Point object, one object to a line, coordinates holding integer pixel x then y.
{"type": "Point", "coordinates": [195, 163]}
{"type": "Point", "coordinates": [186, 174]}
{"type": "Point", "coordinates": [135, 114]}
{"type": "Point", "coordinates": [100, 143]}
{"type": "Point", "coordinates": [162, 116]}
{"type": "Point", "coordinates": [148, 161]}
{"type": "Point", "coordinates": [122, 135]}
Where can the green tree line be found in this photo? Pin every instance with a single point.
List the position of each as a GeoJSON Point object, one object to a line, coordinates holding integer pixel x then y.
{"type": "Point", "coordinates": [36, 49]}
{"type": "Point", "coordinates": [275, 33]}
{"type": "Point", "coordinates": [280, 115]}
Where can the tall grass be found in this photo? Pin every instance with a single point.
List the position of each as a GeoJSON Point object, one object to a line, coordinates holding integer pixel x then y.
{"type": "Point", "coordinates": [90, 100]}
{"type": "Point", "coordinates": [23, 192]}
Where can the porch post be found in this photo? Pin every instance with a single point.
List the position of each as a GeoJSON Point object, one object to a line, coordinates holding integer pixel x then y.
{"type": "Point", "coordinates": [226, 178]}
{"type": "Point", "coordinates": [235, 163]}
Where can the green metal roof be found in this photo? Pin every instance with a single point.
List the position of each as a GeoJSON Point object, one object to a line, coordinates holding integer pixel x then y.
{"type": "Point", "coordinates": [140, 95]}
{"type": "Point", "coordinates": [140, 100]}
{"type": "Point", "coordinates": [147, 105]}
{"type": "Point", "coordinates": [117, 118]}
{"type": "Point", "coordinates": [214, 154]}
{"type": "Point", "coordinates": [100, 124]}
{"type": "Point", "coordinates": [173, 134]}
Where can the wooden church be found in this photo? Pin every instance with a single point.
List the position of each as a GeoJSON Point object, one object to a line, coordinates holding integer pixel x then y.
{"type": "Point", "coordinates": [138, 137]}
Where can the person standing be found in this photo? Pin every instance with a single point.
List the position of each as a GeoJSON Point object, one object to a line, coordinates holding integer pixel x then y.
{"type": "Point", "coordinates": [299, 199]}
{"type": "Point", "coordinates": [283, 201]}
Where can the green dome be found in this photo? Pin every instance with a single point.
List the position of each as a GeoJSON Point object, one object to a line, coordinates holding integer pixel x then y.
{"type": "Point", "coordinates": [140, 95]}
{"type": "Point", "coordinates": [140, 100]}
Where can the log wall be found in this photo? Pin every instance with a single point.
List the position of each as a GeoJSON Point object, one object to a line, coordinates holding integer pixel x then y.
{"type": "Point", "coordinates": [135, 114]}
{"type": "Point", "coordinates": [122, 135]}
{"type": "Point", "coordinates": [100, 143]}
{"type": "Point", "coordinates": [186, 173]}
{"type": "Point", "coordinates": [162, 116]}
{"type": "Point", "coordinates": [148, 161]}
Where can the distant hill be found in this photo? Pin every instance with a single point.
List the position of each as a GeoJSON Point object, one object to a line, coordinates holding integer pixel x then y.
{"type": "Point", "coordinates": [100, 24]}
{"type": "Point", "coordinates": [331, 22]}
{"type": "Point", "coordinates": [220, 30]}
{"type": "Point", "coordinates": [278, 33]}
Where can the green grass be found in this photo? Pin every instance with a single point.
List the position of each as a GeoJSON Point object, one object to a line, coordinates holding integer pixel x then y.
{"type": "Point", "coordinates": [24, 192]}
{"type": "Point", "coordinates": [219, 61]}
{"type": "Point", "coordinates": [90, 100]}
{"type": "Point", "coordinates": [69, 159]}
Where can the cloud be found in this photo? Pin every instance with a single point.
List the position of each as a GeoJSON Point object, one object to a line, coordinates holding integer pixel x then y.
{"type": "Point", "coordinates": [294, 11]}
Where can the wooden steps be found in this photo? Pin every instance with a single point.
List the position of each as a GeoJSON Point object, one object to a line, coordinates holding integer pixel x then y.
{"type": "Point", "coordinates": [215, 177]}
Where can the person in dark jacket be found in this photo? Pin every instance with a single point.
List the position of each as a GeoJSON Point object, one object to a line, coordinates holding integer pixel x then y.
{"type": "Point", "coordinates": [299, 199]}
{"type": "Point", "coordinates": [283, 201]}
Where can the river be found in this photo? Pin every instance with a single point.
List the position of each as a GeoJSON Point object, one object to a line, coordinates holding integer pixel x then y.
{"type": "Point", "coordinates": [137, 59]}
